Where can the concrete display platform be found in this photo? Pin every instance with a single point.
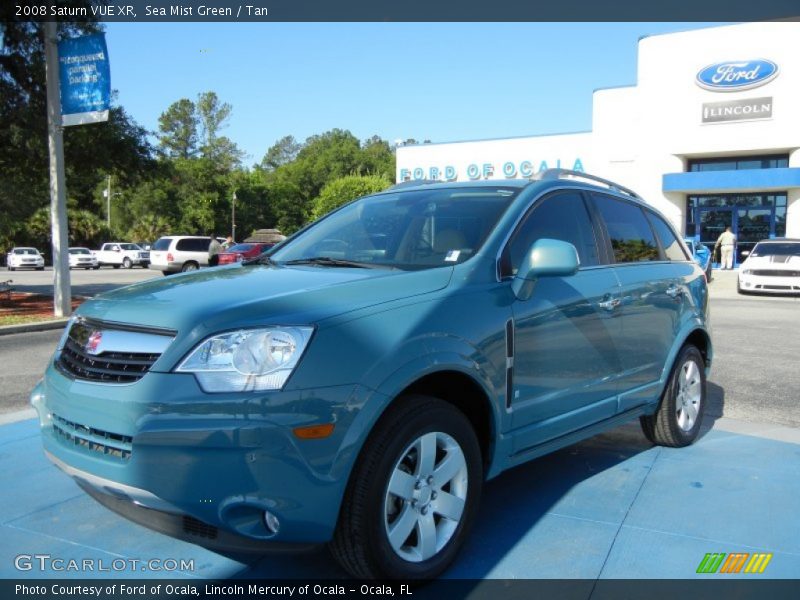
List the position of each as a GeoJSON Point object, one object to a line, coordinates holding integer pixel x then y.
{"type": "Point", "coordinates": [611, 507]}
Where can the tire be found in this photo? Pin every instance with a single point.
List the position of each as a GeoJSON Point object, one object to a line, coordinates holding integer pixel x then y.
{"type": "Point", "coordinates": [709, 272]}
{"type": "Point", "coordinates": [676, 422]}
{"type": "Point", "coordinates": [126, 263]}
{"type": "Point", "coordinates": [389, 460]}
{"type": "Point", "coordinates": [40, 268]}
{"type": "Point", "coordinates": [10, 268]}
{"type": "Point", "coordinates": [189, 266]}
{"type": "Point", "coordinates": [97, 267]}
{"type": "Point", "coordinates": [116, 266]}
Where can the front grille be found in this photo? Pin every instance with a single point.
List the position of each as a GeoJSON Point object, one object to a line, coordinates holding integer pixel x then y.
{"type": "Point", "coordinates": [197, 528]}
{"type": "Point", "coordinates": [107, 366]}
{"type": "Point", "coordinates": [96, 440]}
{"type": "Point", "coordinates": [775, 273]}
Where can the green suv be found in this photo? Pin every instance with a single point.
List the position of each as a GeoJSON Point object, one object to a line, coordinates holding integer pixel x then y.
{"type": "Point", "coordinates": [358, 383]}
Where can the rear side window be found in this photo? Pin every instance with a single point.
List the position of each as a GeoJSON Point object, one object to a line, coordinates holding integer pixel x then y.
{"type": "Point", "coordinates": [162, 243]}
{"type": "Point", "coordinates": [669, 241]}
{"type": "Point", "coordinates": [560, 216]}
{"type": "Point", "coordinates": [193, 244]}
{"type": "Point", "coordinates": [632, 238]}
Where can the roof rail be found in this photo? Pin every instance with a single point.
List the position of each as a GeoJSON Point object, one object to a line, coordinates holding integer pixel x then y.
{"type": "Point", "coordinates": [412, 183]}
{"type": "Point", "coordinates": [553, 174]}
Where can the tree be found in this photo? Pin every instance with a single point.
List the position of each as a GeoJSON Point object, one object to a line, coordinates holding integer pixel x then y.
{"type": "Point", "coordinates": [212, 116]}
{"type": "Point", "coordinates": [280, 153]}
{"type": "Point", "coordinates": [343, 190]}
{"type": "Point", "coordinates": [178, 127]}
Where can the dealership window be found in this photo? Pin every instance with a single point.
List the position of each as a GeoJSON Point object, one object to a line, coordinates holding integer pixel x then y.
{"type": "Point", "coordinates": [751, 217]}
{"type": "Point", "coordinates": [739, 163]}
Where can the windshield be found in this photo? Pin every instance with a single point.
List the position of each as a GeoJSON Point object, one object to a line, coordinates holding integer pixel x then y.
{"type": "Point", "coordinates": [79, 251]}
{"type": "Point", "coordinates": [776, 249]}
{"type": "Point", "coordinates": [129, 247]}
{"type": "Point", "coordinates": [26, 251]}
{"type": "Point", "coordinates": [240, 248]}
{"type": "Point", "coordinates": [406, 230]}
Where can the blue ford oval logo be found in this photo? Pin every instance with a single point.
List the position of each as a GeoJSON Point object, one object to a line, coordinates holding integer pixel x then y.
{"type": "Point", "coordinates": [736, 75]}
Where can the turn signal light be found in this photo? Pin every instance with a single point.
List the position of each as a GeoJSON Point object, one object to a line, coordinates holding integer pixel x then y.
{"type": "Point", "coordinates": [314, 432]}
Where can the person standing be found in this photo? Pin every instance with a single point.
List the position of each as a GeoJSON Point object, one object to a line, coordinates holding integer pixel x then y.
{"type": "Point", "coordinates": [227, 243]}
{"type": "Point", "coordinates": [214, 248]}
{"type": "Point", "coordinates": [726, 243]}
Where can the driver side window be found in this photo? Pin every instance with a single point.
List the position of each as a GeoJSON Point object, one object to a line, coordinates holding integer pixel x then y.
{"type": "Point", "coordinates": [559, 216]}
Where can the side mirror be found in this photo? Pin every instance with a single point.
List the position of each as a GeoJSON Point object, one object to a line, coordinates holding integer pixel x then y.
{"type": "Point", "coordinates": [545, 258]}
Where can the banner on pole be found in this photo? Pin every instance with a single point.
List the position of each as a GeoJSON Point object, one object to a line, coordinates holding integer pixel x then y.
{"type": "Point", "coordinates": [85, 77]}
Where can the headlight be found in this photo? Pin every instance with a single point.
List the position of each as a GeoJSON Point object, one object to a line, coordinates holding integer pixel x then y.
{"type": "Point", "coordinates": [248, 359]}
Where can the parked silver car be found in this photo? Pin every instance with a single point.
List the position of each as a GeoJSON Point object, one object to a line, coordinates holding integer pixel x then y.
{"type": "Point", "coordinates": [82, 258]}
{"type": "Point", "coordinates": [25, 258]}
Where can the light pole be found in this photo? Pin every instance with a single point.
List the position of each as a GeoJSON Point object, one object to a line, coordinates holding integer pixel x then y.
{"type": "Point", "coordinates": [107, 193]}
{"type": "Point", "coordinates": [233, 218]}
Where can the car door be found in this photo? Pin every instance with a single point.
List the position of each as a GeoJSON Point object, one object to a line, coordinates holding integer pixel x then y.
{"type": "Point", "coordinates": [565, 363]}
{"type": "Point", "coordinates": [652, 295]}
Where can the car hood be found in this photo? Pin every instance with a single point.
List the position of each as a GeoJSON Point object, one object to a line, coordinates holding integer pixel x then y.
{"type": "Point", "coordinates": [776, 262]}
{"type": "Point", "coordinates": [242, 295]}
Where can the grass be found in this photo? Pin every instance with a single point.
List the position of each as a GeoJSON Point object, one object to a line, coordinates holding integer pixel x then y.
{"type": "Point", "coordinates": [19, 319]}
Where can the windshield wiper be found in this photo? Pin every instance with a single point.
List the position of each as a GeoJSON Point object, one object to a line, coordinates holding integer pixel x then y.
{"type": "Point", "coordinates": [259, 260]}
{"type": "Point", "coordinates": [327, 261]}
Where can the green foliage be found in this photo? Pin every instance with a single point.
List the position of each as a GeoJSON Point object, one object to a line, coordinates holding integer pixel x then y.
{"type": "Point", "coordinates": [85, 229]}
{"type": "Point", "coordinates": [178, 128]}
{"type": "Point", "coordinates": [343, 190]}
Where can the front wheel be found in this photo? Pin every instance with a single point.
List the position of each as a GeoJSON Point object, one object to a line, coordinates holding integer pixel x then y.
{"type": "Point", "coordinates": [676, 422]}
{"type": "Point", "coordinates": [709, 272]}
{"type": "Point", "coordinates": [189, 266]}
{"type": "Point", "coordinates": [413, 494]}
{"type": "Point", "coordinates": [126, 263]}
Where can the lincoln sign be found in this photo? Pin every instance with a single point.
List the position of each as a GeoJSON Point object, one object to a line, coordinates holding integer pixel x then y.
{"type": "Point", "coordinates": [737, 110]}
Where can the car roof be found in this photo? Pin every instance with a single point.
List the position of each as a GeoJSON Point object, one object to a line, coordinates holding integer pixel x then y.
{"type": "Point", "coordinates": [781, 240]}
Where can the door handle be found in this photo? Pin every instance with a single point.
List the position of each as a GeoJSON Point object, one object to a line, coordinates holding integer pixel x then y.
{"type": "Point", "coordinates": [609, 304]}
{"type": "Point", "coordinates": [673, 291]}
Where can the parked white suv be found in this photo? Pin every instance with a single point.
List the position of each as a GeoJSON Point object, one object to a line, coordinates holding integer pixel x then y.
{"type": "Point", "coordinates": [179, 253]}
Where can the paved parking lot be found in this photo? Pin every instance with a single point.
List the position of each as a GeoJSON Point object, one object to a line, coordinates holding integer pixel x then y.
{"type": "Point", "coordinates": [84, 282]}
{"type": "Point", "coordinates": [610, 507]}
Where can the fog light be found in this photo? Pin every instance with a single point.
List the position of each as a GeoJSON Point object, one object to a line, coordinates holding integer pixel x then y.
{"type": "Point", "coordinates": [271, 521]}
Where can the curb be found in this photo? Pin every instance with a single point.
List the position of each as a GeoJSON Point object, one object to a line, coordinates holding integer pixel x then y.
{"type": "Point", "coordinates": [37, 326]}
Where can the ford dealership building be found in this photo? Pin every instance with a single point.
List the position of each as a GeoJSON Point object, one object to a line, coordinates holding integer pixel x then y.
{"type": "Point", "coordinates": [710, 135]}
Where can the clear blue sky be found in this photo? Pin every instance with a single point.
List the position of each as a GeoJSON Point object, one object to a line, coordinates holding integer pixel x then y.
{"type": "Point", "coordinates": [443, 82]}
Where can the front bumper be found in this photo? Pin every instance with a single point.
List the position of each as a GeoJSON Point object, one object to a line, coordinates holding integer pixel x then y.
{"type": "Point", "coordinates": [163, 446]}
{"type": "Point", "coordinates": [769, 284]}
